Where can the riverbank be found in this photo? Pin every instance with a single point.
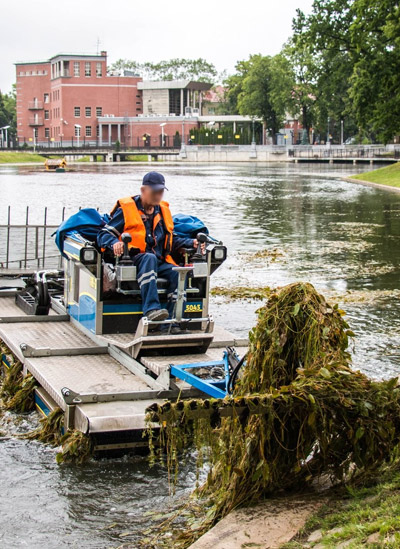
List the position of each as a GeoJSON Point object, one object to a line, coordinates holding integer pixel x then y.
{"type": "Point", "coordinates": [355, 518]}
{"type": "Point", "coordinates": [388, 176]}
{"type": "Point", "coordinates": [11, 157]}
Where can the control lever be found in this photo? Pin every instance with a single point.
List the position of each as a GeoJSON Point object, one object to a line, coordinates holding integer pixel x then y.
{"type": "Point", "coordinates": [126, 258]}
{"type": "Point", "coordinates": [201, 237]}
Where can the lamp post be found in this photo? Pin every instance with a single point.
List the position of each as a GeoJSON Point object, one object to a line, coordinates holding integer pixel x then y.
{"type": "Point", "coordinates": [328, 134]}
{"type": "Point", "coordinates": [34, 139]}
{"type": "Point", "coordinates": [253, 139]}
{"type": "Point", "coordinates": [183, 144]}
{"type": "Point", "coordinates": [162, 133]}
{"type": "Point", "coordinates": [341, 131]}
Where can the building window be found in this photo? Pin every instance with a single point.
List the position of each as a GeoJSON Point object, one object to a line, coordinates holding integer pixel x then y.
{"type": "Point", "coordinates": [88, 131]}
{"type": "Point", "coordinates": [88, 68]}
{"type": "Point", "coordinates": [35, 132]}
{"type": "Point", "coordinates": [46, 97]}
{"type": "Point", "coordinates": [88, 112]}
{"type": "Point", "coordinates": [77, 131]}
{"type": "Point", "coordinates": [77, 68]}
{"type": "Point", "coordinates": [46, 115]}
{"type": "Point", "coordinates": [47, 132]}
{"type": "Point", "coordinates": [77, 112]}
{"type": "Point", "coordinates": [99, 111]}
{"type": "Point", "coordinates": [22, 73]}
{"type": "Point", "coordinates": [98, 131]}
{"type": "Point", "coordinates": [99, 70]}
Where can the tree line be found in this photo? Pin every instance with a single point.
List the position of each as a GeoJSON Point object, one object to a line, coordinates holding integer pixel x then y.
{"type": "Point", "coordinates": [340, 66]}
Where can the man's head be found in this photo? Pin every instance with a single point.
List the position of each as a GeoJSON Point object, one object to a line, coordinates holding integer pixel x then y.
{"type": "Point", "coordinates": [153, 187]}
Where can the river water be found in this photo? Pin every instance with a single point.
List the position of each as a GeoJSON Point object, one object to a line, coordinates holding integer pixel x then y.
{"type": "Point", "coordinates": [308, 223]}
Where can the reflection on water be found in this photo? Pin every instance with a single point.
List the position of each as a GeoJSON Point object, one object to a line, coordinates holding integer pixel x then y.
{"type": "Point", "coordinates": [341, 237]}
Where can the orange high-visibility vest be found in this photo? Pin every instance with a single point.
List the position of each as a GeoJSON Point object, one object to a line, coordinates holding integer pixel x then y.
{"type": "Point", "coordinates": [135, 227]}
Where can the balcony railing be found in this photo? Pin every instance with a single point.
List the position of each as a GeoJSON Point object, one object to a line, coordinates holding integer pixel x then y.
{"type": "Point", "coordinates": [35, 105]}
{"type": "Point", "coordinates": [36, 121]}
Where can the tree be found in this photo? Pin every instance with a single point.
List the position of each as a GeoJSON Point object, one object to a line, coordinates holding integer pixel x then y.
{"type": "Point", "coordinates": [171, 69]}
{"type": "Point", "coordinates": [8, 112]}
{"type": "Point", "coordinates": [265, 90]}
{"type": "Point", "coordinates": [375, 82]}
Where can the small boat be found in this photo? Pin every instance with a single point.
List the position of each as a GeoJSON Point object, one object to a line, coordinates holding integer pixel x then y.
{"type": "Point", "coordinates": [55, 165]}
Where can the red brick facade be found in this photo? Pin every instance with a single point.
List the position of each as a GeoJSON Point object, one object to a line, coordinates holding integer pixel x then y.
{"type": "Point", "coordinates": [55, 96]}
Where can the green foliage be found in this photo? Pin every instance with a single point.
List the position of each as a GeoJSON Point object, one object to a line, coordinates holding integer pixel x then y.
{"type": "Point", "coordinates": [16, 390]}
{"type": "Point", "coordinates": [298, 412]}
{"type": "Point", "coordinates": [262, 87]}
{"type": "Point", "coordinates": [171, 69]}
{"type": "Point", "coordinates": [8, 112]}
{"type": "Point", "coordinates": [354, 63]}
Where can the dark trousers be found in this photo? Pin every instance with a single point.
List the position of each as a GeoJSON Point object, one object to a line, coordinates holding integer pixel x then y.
{"type": "Point", "coordinates": [149, 267]}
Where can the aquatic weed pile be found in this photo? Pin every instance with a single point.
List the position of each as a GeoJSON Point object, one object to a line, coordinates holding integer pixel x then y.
{"type": "Point", "coordinates": [17, 395]}
{"type": "Point", "coordinates": [298, 412]}
{"type": "Point", "coordinates": [16, 390]}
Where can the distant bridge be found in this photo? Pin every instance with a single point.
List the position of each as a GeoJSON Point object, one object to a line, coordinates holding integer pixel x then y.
{"type": "Point", "coordinates": [109, 154]}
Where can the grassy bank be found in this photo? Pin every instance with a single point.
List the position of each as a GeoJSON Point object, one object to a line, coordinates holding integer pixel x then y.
{"type": "Point", "coordinates": [367, 516]}
{"type": "Point", "coordinates": [12, 157]}
{"type": "Point", "coordinates": [390, 175]}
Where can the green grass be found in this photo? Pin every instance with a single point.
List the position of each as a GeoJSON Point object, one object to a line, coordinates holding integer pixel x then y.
{"type": "Point", "coordinates": [137, 158]}
{"type": "Point", "coordinates": [11, 157]}
{"type": "Point", "coordinates": [368, 516]}
{"type": "Point", "coordinates": [390, 175]}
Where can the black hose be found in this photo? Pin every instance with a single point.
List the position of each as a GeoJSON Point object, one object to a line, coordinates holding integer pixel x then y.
{"type": "Point", "coordinates": [232, 379]}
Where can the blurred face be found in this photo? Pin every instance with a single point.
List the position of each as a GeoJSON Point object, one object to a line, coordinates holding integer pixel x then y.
{"type": "Point", "coordinates": [151, 197]}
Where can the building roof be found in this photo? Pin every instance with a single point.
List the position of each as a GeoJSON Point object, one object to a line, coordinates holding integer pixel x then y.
{"type": "Point", "coordinates": [102, 55]}
{"type": "Point", "coordinates": [173, 84]}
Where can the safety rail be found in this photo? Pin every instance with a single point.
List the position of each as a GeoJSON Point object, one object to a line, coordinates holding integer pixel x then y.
{"type": "Point", "coordinates": [29, 245]}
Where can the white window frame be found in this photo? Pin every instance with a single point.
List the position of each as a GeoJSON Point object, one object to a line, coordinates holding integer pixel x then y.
{"type": "Point", "coordinates": [77, 110]}
{"type": "Point", "coordinates": [88, 109]}
{"type": "Point", "coordinates": [88, 68]}
{"type": "Point", "coordinates": [88, 131]}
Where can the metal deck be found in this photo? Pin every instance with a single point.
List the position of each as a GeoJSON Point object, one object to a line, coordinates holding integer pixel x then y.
{"type": "Point", "coordinates": [115, 389]}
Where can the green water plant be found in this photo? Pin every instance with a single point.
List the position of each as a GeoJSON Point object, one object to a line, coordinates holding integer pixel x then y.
{"type": "Point", "coordinates": [298, 412]}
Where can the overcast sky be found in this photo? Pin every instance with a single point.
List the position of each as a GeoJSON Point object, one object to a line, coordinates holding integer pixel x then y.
{"type": "Point", "coordinates": [220, 31]}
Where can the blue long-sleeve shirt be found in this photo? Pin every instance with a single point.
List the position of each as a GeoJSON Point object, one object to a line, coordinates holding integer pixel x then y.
{"type": "Point", "coordinates": [110, 233]}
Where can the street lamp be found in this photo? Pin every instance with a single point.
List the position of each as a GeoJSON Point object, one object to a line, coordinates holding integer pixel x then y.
{"type": "Point", "coordinates": [341, 131]}
{"type": "Point", "coordinates": [329, 133]}
{"type": "Point", "coordinates": [253, 139]}
{"type": "Point", "coordinates": [183, 145]}
{"type": "Point", "coordinates": [5, 128]}
{"type": "Point", "coordinates": [78, 133]}
{"type": "Point", "coordinates": [162, 133]}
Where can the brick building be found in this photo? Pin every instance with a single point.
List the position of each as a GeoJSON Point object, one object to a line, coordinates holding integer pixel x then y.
{"type": "Point", "coordinates": [74, 100]}
{"type": "Point", "coordinates": [60, 100]}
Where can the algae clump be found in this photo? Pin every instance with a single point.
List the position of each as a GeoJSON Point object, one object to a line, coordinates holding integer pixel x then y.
{"type": "Point", "coordinates": [298, 412]}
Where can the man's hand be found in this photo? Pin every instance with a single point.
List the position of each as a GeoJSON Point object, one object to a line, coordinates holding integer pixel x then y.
{"type": "Point", "coordinates": [203, 245]}
{"type": "Point", "coordinates": [118, 248]}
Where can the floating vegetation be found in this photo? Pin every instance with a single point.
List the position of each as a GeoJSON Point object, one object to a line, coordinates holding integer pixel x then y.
{"type": "Point", "coordinates": [366, 297]}
{"type": "Point", "coordinates": [16, 390]}
{"type": "Point", "coordinates": [354, 228]}
{"type": "Point", "coordinates": [270, 254]}
{"type": "Point", "coordinates": [242, 292]}
{"type": "Point", "coordinates": [298, 412]}
{"type": "Point", "coordinates": [76, 448]}
{"type": "Point", "coordinates": [17, 394]}
{"type": "Point", "coordinates": [50, 430]}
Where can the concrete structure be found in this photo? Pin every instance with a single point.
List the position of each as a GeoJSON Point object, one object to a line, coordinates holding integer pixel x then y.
{"type": "Point", "coordinates": [172, 97]}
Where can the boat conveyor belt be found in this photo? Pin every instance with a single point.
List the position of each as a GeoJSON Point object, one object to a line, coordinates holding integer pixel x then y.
{"type": "Point", "coordinates": [102, 389]}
